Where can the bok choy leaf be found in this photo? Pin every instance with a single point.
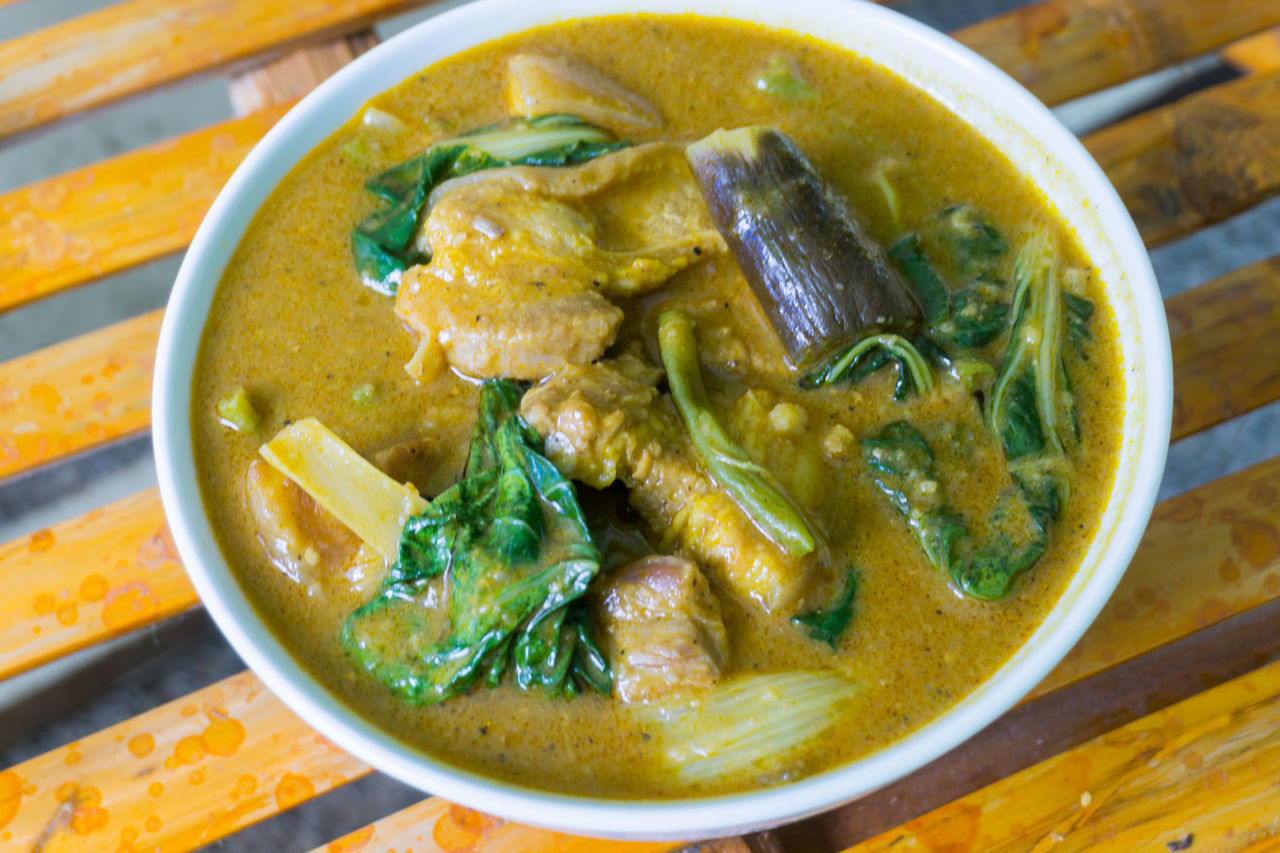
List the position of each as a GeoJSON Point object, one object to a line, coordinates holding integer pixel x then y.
{"type": "Point", "coordinates": [903, 468]}
{"type": "Point", "coordinates": [514, 544]}
{"type": "Point", "coordinates": [382, 244]}
{"type": "Point", "coordinates": [827, 625]}
{"type": "Point", "coordinates": [869, 355]}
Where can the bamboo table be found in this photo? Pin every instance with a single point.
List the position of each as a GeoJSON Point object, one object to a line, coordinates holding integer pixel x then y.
{"type": "Point", "coordinates": [1160, 729]}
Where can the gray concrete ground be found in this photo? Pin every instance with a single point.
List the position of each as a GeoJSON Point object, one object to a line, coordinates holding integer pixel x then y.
{"type": "Point", "coordinates": [193, 654]}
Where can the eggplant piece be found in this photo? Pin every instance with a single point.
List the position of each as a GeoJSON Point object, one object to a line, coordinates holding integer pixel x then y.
{"type": "Point", "coordinates": [821, 279]}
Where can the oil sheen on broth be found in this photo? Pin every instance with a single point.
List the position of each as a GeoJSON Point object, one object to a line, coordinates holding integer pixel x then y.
{"type": "Point", "coordinates": [292, 323]}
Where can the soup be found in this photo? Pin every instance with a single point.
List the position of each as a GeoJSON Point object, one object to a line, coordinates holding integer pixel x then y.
{"type": "Point", "coordinates": [695, 507]}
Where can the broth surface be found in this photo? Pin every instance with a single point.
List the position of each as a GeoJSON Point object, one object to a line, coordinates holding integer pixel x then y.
{"type": "Point", "coordinates": [292, 324]}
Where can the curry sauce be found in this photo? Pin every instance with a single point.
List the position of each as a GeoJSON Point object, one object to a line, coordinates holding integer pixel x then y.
{"type": "Point", "coordinates": [292, 323]}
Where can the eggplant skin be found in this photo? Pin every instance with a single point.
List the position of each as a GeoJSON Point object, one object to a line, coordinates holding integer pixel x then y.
{"type": "Point", "coordinates": [821, 279]}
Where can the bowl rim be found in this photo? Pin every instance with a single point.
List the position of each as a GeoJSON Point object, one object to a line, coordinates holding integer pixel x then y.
{"type": "Point", "coordinates": [333, 103]}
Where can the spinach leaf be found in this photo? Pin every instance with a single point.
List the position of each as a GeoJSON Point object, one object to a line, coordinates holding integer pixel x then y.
{"type": "Point", "coordinates": [903, 468]}
{"type": "Point", "coordinates": [929, 288]}
{"type": "Point", "coordinates": [826, 626]}
{"type": "Point", "coordinates": [382, 244]}
{"type": "Point", "coordinates": [977, 315]}
{"type": "Point", "coordinates": [869, 355]}
{"type": "Point", "coordinates": [514, 544]}
{"type": "Point", "coordinates": [973, 244]}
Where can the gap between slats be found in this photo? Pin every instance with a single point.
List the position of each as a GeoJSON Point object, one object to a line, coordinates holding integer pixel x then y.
{"type": "Point", "coordinates": [64, 231]}
{"type": "Point", "coordinates": [1218, 544]}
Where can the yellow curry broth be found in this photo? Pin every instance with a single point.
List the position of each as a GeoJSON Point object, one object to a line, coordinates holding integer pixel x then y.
{"type": "Point", "coordinates": [292, 323]}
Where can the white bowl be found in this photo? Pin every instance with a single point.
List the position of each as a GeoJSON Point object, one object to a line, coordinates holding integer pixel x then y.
{"type": "Point", "coordinates": [962, 81]}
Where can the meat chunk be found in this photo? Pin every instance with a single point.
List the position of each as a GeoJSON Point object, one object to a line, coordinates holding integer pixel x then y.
{"type": "Point", "coordinates": [606, 422]}
{"type": "Point", "coordinates": [307, 544]}
{"type": "Point", "coordinates": [663, 629]}
{"type": "Point", "coordinates": [523, 260]}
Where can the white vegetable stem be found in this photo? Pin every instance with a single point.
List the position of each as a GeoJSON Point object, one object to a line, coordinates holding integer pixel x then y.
{"type": "Point", "coordinates": [342, 481]}
{"type": "Point", "coordinates": [750, 725]}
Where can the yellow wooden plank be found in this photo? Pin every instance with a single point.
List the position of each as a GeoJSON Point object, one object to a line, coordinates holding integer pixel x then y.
{"type": "Point", "coordinates": [1200, 775]}
{"type": "Point", "coordinates": [1062, 49]}
{"type": "Point", "coordinates": [125, 210]}
{"type": "Point", "coordinates": [75, 395]}
{"type": "Point", "coordinates": [175, 778]}
{"type": "Point", "coordinates": [1226, 347]}
{"type": "Point", "coordinates": [1257, 53]}
{"type": "Point", "coordinates": [78, 583]}
{"type": "Point", "coordinates": [132, 46]}
{"type": "Point", "coordinates": [437, 826]}
{"type": "Point", "coordinates": [1208, 554]}
{"type": "Point", "coordinates": [1201, 159]}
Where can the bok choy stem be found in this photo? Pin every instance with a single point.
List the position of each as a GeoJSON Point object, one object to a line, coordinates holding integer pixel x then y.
{"type": "Point", "coordinates": [746, 482]}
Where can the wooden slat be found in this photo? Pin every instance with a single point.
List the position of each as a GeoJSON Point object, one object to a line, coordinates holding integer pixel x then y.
{"type": "Point", "coordinates": [1062, 49]}
{"type": "Point", "coordinates": [1227, 560]}
{"type": "Point", "coordinates": [1200, 775]}
{"type": "Point", "coordinates": [1208, 554]}
{"type": "Point", "coordinates": [136, 207]}
{"type": "Point", "coordinates": [119, 212]}
{"type": "Point", "coordinates": [135, 45]}
{"type": "Point", "coordinates": [175, 778]}
{"type": "Point", "coordinates": [1226, 347]}
{"type": "Point", "coordinates": [437, 826]}
{"type": "Point", "coordinates": [1256, 53]}
{"type": "Point", "coordinates": [105, 573]}
{"type": "Point", "coordinates": [75, 395]}
{"type": "Point", "coordinates": [1197, 161]}
{"type": "Point", "coordinates": [1226, 343]}
{"type": "Point", "coordinates": [285, 80]}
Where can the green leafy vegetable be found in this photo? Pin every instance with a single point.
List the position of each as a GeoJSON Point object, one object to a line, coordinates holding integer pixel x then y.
{"type": "Point", "coordinates": [971, 241]}
{"type": "Point", "coordinates": [930, 290]}
{"type": "Point", "coordinates": [826, 626]}
{"type": "Point", "coordinates": [869, 355]}
{"type": "Point", "coordinates": [1079, 310]}
{"type": "Point", "coordinates": [1032, 397]}
{"type": "Point", "coordinates": [746, 482]}
{"type": "Point", "coordinates": [382, 244]}
{"type": "Point", "coordinates": [903, 468]}
{"type": "Point", "coordinates": [781, 79]}
{"type": "Point", "coordinates": [977, 315]}
{"type": "Point", "coordinates": [745, 726]}
{"type": "Point", "coordinates": [515, 545]}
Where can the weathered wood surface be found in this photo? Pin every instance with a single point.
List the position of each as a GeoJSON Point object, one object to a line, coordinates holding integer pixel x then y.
{"type": "Point", "coordinates": [175, 778]}
{"type": "Point", "coordinates": [77, 395]}
{"type": "Point", "coordinates": [106, 573]}
{"type": "Point", "coordinates": [1202, 773]}
{"type": "Point", "coordinates": [1226, 347]}
{"type": "Point", "coordinates": [117, 213]}
{"type": "Point", "coordinates": [1256, 53]}
{"type": "Point", "coordinates": [283, 81]}
{"type": "Point", "coordinates": [1062, 49]}
{"type": "Point", "coordinates": [1200, 160]}
{"type": "Point", "coordinates": [135, 45]}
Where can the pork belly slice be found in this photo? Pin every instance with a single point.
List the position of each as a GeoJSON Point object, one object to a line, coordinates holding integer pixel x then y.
{"type": "Point", "coordinates": [524, 260]}
{"type": "Point", "coordinates": [607, 421]}
{"type": "Point", "coordinates": [663, 629]}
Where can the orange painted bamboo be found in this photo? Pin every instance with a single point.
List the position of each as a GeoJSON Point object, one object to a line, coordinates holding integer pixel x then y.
{"type": "Point", "coordinates": [76, 395]}
{"type": "Point", "coordinates": [1226, 346]}
{"type": "Point", "coordinates": [105, 573]}
{"type": "Point", "coordinates": [1256, 53]}
{"type": "Point", "coordinates": [437, 826]}
{"type": "Point", "coordinates": [175, 778]}
{"type": "Point", "coordinates": [1062, 49]}
{"type": "Point", "coordinates": [134, 45]}
{"type": "Point", "coordinates": [1201, 159]}
{"type": "Point", "coordinates": [1208, 554]}
{"type": "Point", "coordinates": [1199, 775]}
{"type": "Point", "coordinates": [120, 212]}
